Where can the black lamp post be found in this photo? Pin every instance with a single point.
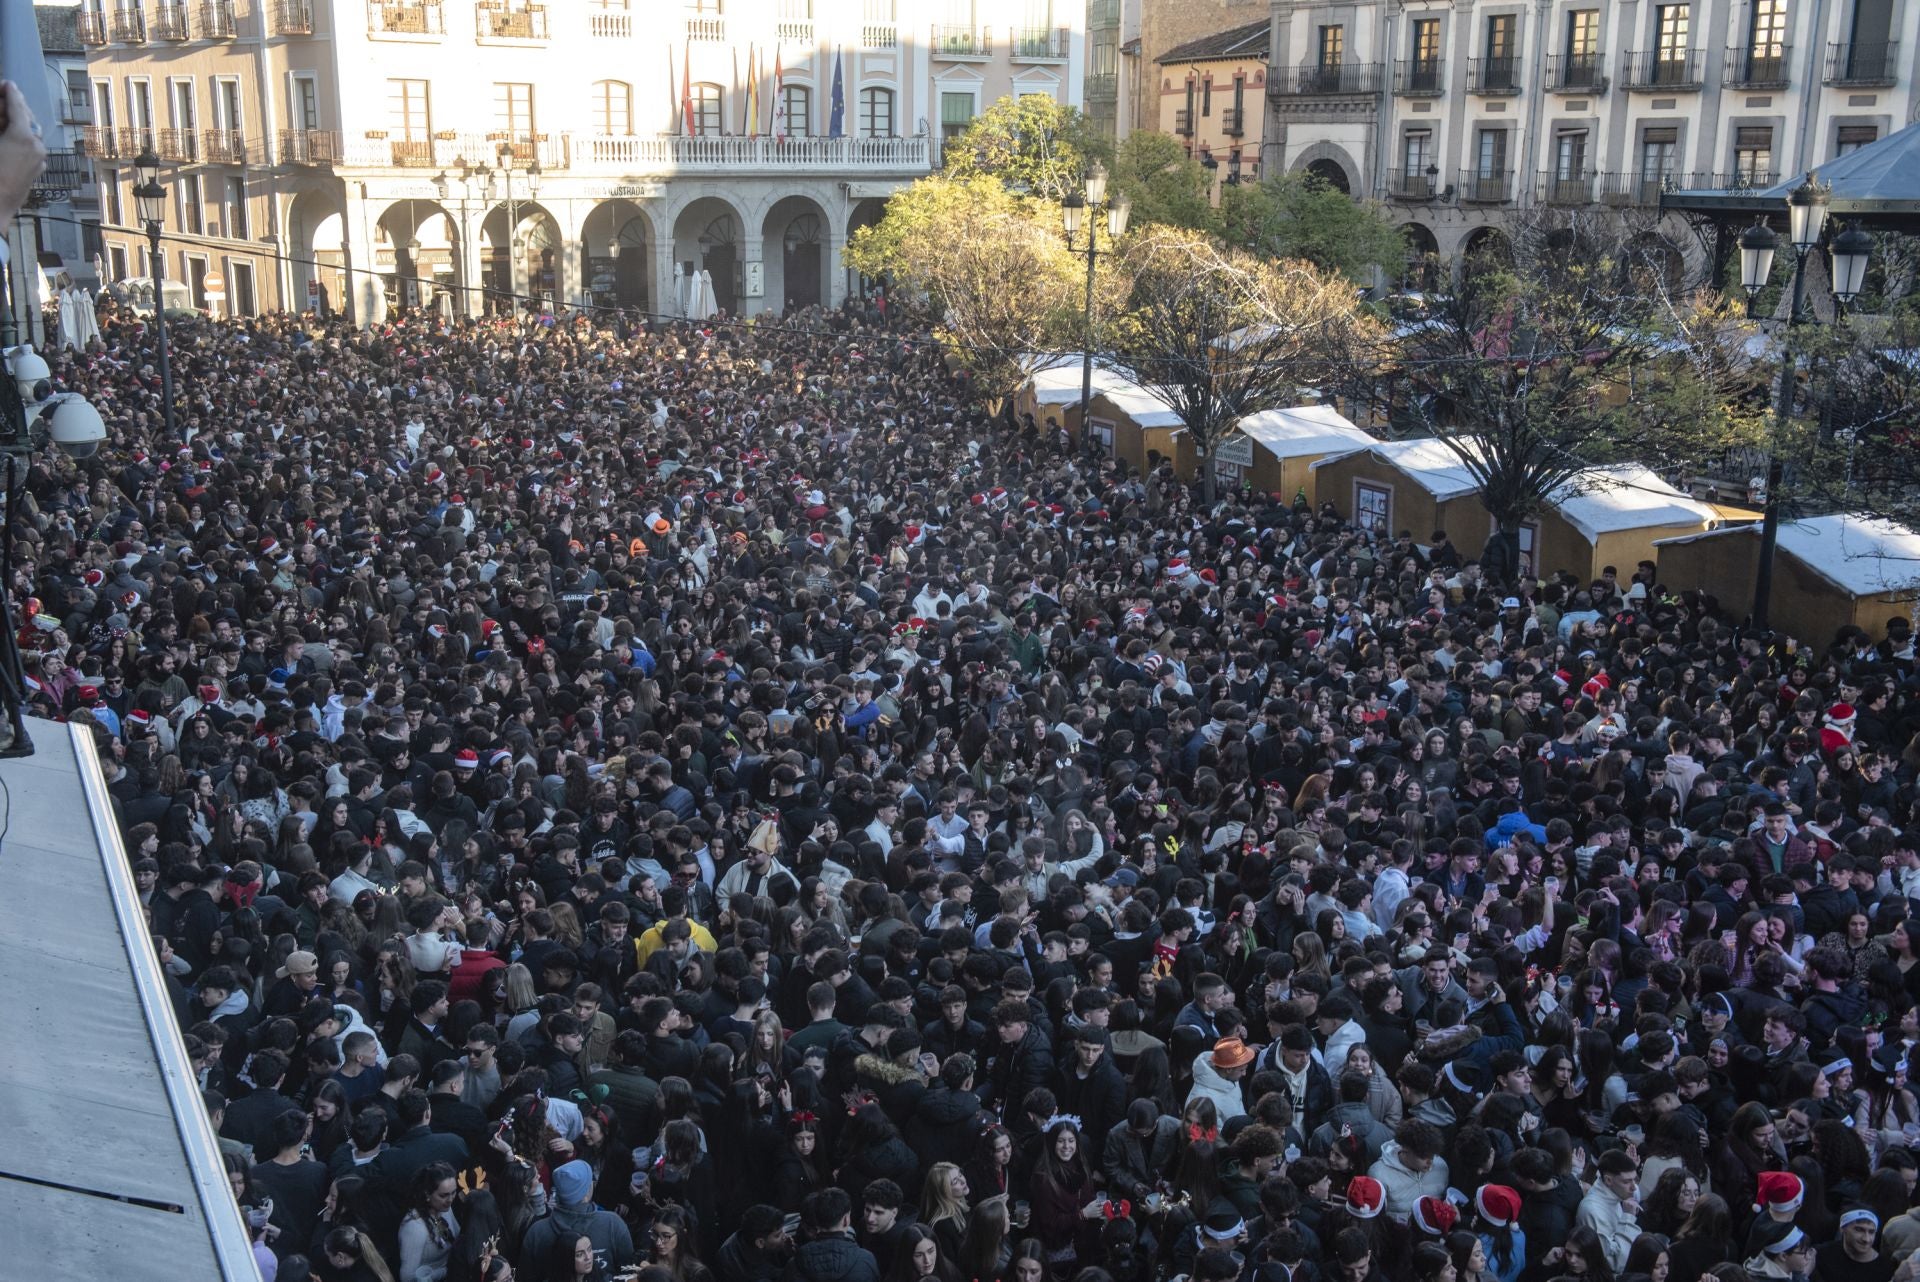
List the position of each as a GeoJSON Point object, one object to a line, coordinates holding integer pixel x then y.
{"type": "Point", "coordinates": [150, 201]}
{"type": "Point", "coordinates": [1806, 220]}
{"type": "Point", "coordinates": [1083, 210]}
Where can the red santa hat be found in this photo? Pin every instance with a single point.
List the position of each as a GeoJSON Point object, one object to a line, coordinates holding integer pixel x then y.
{"type": "Point", "coordinates": [466, 759]}
{"type": "Point", "coordinates": [1365, 1197]}
{"type": "Point", "coordinates": [1841, 714]}
{"type": "Point", "coordinates": [1498, 1205]}
{"type": "Point", "coordinates": [1779, 1191]}
{"type": "Point", "coordinates": [1434, 1216]}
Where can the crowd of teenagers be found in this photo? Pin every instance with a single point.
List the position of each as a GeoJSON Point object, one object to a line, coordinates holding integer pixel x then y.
{"type": "Point", "coordinates": [623, 800]}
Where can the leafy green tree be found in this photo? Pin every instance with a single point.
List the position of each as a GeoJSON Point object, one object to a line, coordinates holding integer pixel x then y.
{"type": "Point", "coordinates": [992, 261]}
{"type": "Point", "coordinates": [1296, 215]}
{"type": "Point", "coordinates": [1032, 144]}
{"type": "Point", "coordinates": [1168, 187]}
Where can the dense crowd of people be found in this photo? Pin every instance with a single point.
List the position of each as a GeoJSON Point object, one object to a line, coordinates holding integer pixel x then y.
{"type": "Point", "coordinates": [719, 804]}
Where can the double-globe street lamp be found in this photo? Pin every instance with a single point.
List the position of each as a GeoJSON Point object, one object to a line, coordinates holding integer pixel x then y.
{"type": "Point", "coordinates": [150, 202]}
{"type": "Point", "coordinates": [1083, 209]}
{"type": "Point", "coordinates": [1806, 220]}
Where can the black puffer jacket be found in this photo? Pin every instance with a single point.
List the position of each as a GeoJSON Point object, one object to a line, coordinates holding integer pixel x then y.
{"type": "Point", "coordinates": [833, 1259]}
{"type": "Point", "coordinates": [942, 1128]}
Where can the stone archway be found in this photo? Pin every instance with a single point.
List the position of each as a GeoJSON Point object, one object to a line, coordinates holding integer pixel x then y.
{"type": "Point", "coordinates": [1423, 258]}
{"type": "Point", "coordinates": [316, 230]}
{"type": "Point", "coordinates": [1331, 164]}
{"type": "Point", "coordinates": [867, 212]}
{"type": "Point", "coordinates": [416, 255]}
{"type": "Point", "coordinates": [709, 234]}
{"type": "Point", "coordinates": [616, 254]}
{"type": "Point", "coordinates": [795, 245]}
{"type": "Point", "coordinates": [521, 256]}
{"type": "Point", "coordinates": [1330, 173]}
{"type": "Point", "coordinates": [1486, 247]}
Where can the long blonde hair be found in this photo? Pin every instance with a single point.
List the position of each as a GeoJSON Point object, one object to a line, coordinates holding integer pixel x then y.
{"type": "Point", "coordinates": [521, 996]}
{"type": "Point", "coordinates": [566, 923]}
{"type": "Point", "coordinates": [937, 1201]}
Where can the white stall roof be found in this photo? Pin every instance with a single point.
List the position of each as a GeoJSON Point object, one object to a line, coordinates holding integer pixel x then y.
{"type": "Point", "coordinates": [1861, 555]}
{"type": "Point", "coordinates": [1144, 406]}
{"type": "Point", "coordinates": [1059, 383]}
{"type": "Point", "coordinates": [1430, 462]}
{"type": "Point", "coordinates": [1304, 430]}
{"type": "Point", "coordinates": [1627, 497]}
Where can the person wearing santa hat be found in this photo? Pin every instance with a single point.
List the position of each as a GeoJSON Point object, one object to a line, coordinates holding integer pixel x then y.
{"type": "Point", "coordinates": [1836, 729]}
{"type": "Point", "coordinates": [1776, 1200]}
{"type": "Point", "coordinates": [1432, 1219]}
{"type": "Point", "coordinates": [1497, 1221]}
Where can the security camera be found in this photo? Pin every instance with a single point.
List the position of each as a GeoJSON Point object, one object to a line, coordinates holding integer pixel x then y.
{"type": "Point", "coordinates": [30, 374]}
{"type": "Point", "coordinates": [72, 423]}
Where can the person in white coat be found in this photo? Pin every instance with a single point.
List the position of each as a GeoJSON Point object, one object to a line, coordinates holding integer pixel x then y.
{"type": "Point", "coordinates": [1611, 1207]}
{"type": "Point", "coordinates": [1217, 1075]}
{"type": "Point", "coordinates": [1411, 1167]}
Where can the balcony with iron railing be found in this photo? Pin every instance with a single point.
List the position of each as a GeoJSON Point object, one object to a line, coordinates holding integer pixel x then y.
{"type": "Point", "coordinates": [708, 28]}
{"type": "Point", "coordinates": [1493, 76]}
{"type": "Point", "coordinates": [215, 18]}
{"type": "Point", "coordinates": [1040, 44]}
{"type": "Point", "coordinates": [1316, 80]}
{"type": "Point", "coordinates": [128, 26]}
{"type": "Point", "coordinates": [1661, 71]}
{"type": "Point", "coordinates": [1102, 86]}
{"type": "Point", "coordinates": [1576, 73]}
{"type": "Point", "coordinates": [496, 22]}
{"type": "Point", "coordinates": [1103, 13]}
{"type": "Point", "coordinates": [1568, 188]}
{"type": "Point", "coordinates": [1485, 186]}
{"type": "Point", "coordinates": [957, 41]}
{"type": "Point", "coordinates": [65, 173]}
{"type": "Point", "coordinates": [879, 35]}
{"type": "Point", "coordinates": [1419, 78]}
{"type": "Point", "coordinates": [292, 18]}
{"type": "Point", "coordinates": [101, 142]}
{"type": "Point", "coordinates": [224, 146]}
{"type": "Point", "coordinates": [92, 28]}
{"type": "Point", "coordinates": [1233, 121]}
{"type": "Point", "coordinates": [1863, 65]}
{"type": "Point", "coordinates": [1411, 188]}
{"type": "Point", "coordinates": [407, 18]}
{"type": "Point", "coordinates": [180, 146]}
{"type": "Point", "coordinates": [1758, 68]}
{"type": "Point", "coordinates": [310, 147]}
{"type": "Point", "coordinates": [170, 23]}
{"type": "Point", "coordinates": [1639, 190]}
{"type": "Point", "coordinates": [794, 31]}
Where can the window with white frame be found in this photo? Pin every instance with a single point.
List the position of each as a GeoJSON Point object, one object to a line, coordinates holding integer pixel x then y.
{"type": "Point", "coordinates": [796, 109]}
{"type": "Point", "coordinates": [876, 113]}
{"type": "Point", "coordinates": [613, 107]}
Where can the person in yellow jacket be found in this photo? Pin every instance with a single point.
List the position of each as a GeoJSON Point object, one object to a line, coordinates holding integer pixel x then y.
{"type": "Point", "coordinates": [673, 901]}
